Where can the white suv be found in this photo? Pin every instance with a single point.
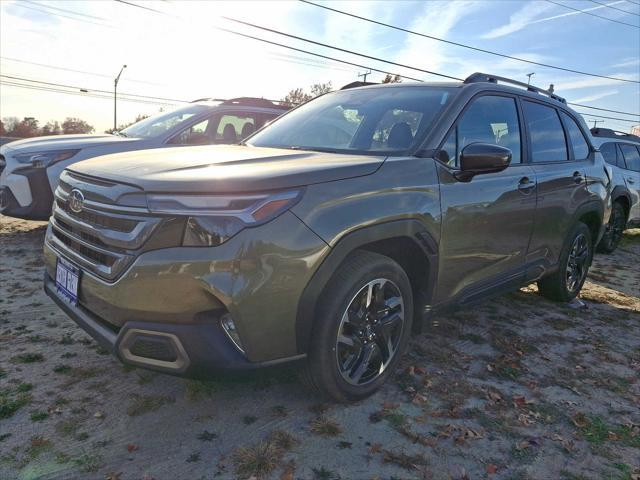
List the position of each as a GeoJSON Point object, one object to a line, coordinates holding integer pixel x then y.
{"type": "Point", "coordinates": [30, 168]}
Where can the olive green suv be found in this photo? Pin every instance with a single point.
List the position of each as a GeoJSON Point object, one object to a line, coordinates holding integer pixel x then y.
{"type": "Point", "coordinates": [332, 233]}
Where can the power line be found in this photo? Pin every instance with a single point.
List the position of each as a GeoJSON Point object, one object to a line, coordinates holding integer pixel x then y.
{"type": "Point", "coordinates": [47, 12]}
{"type": "Point", "coordinates": [42, 5]}
{"type": "Point", "coordinates": [608, 118]}
{"type": "Point", "coordinates": [336, 59]}
{"type": "Point", "coordinates": [72, 70]}
{"type": "Point", "coordinates": [344, 50]}
{"type": "Point", "coordinates": [80, 94]}
{"type": "Point", "coordinates": [614, 8]}
{"type": "Point", "coordinates": [593, 14]}
{"type": "Point", "coordinates": [477, 49]}
{"type": "Point", "coordinates": [634, 3]}
{"type": "Point", "coordinates": [92, 89]}
{"type": "Point", "coordinates": [603, 109]}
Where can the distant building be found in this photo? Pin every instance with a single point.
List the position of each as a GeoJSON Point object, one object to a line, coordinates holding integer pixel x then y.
{"type": "Point", "coordinates": [635, 130]}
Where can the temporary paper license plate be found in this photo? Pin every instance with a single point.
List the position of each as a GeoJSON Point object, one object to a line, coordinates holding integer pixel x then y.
{"type": "Point", "coordinates": [67, 280]}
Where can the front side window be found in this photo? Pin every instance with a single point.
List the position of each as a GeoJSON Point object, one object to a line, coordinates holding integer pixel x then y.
{"type": "Point", "coordinates": [579, 145]}
{"type": "Point", "coordinates": [610, 153]}
{"type": "Point", "coordinates": [380, 120]}
{"type": "Point", "coordinates": [489, 119]}
{"type": "Point", "coordinates": [163, 122]}
{"type": "Point", "coordinates": [548, 143]}
{"type": "Point", "coordinates": [194, 135]}
{"type": "Point", "coordinates": [631, 156]}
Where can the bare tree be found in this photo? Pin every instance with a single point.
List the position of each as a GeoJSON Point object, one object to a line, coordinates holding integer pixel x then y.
{"type": "Point", "coordinates": [298, 96]}
{"type": "Point", "coordinates": [392, 79]}
{"type": "Point", "coordinates": [76, 125]}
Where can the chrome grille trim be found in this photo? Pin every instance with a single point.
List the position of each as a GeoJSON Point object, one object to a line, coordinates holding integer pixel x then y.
{"type": "Point", "coordinates": [102, 239]}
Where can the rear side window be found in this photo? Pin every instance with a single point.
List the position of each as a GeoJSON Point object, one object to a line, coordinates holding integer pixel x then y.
{"type": "Point", "coordinates": [631, 156]}
{"type": "Point", "coordinates": [548, 143]}
{"type": "Point", "coordinates": [579, 145]}
{"type": "Point", "coordinates": [610, 153]}
{"type": "Point", "coordinates": [489, 119]}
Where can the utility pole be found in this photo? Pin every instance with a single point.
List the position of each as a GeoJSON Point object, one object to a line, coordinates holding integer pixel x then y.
{"type": "Point", "coordinates": [529, 79]}
{"type": "Point", "coordinates": [596, 122]}
{"type": "Point", "coordinates": [364, 75]}
{"type": "Point", "coordinates": [115, 98]}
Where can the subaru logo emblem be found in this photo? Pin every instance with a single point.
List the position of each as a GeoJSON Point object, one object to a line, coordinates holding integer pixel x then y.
{"type": "Point", "coordinates": [76, 199]}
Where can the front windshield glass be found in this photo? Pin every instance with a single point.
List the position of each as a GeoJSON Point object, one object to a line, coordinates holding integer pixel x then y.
{"type": "Point", "coordinates": [162, 122]}
{"type": "Point", "coordinates": [387, 121]}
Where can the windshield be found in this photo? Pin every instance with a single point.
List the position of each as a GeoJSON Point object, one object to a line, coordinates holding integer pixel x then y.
{"type": "Point", "coordinates": [163, 122]}
{"type": "Point", "coordinates": [386, 121]}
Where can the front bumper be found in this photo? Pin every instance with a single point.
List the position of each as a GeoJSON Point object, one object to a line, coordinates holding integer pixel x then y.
{"type": "Point", "coordinates": [180, 293]}
{"type": "Point", "coordinates": [26, 193]}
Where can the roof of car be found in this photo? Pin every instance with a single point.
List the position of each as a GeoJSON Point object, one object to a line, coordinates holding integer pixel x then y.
{"type": "Point", "coordinates": [253, 102]}
{"type": "Point", "coordinates": [608, 133]}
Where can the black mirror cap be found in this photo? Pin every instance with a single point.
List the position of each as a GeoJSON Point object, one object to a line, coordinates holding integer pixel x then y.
{"type": "Point", "coordinates": [477, 158]}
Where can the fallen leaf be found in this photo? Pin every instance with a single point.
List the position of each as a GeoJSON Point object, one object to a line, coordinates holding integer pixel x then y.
{"type": "Point", "coordinates": [491, 468]}
{"type": "Point", "coordinates": [113, 476]}
{"type": "Point", "coordinates": [98, 415]}
{"type": "Point", "coordinates": [132, 447]}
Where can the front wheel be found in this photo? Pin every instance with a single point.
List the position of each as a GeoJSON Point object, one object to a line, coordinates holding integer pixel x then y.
{"type": "Point", "coordinates": [362, 327]}
{"type": "Point", "coordinates": [575, 260]}
{"type": "Point", "coordinates": [615, 227]}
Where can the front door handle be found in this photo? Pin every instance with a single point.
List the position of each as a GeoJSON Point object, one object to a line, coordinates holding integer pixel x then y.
{"type": "Point", "coordinates": [525, 185]}
{"type": "Point", "coordinates": [631, 180]}
{"type": "Point", "coordinates": [577, 177]}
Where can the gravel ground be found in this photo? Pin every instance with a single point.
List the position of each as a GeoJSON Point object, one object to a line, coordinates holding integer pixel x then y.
{"type": "Point", "coordinates": [519, 388]}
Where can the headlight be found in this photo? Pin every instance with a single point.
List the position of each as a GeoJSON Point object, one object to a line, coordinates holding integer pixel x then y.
{"type": "Point", "coordinates": [213, 219]}
{"type": "Point", "coordinates": [44, 159]}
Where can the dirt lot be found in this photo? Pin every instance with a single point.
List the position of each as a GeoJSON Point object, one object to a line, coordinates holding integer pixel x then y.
{"type": "Point", "coordinates": [519, 388]}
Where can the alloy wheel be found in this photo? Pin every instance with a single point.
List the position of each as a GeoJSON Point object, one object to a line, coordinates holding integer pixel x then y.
{"type": "Point", "coordinates": [577, 263]}
{"type": "Point", "coordinates": [370, 332]}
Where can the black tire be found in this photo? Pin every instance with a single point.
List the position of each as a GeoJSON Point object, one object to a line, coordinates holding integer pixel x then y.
{"type": "Point", "coordinates": [323, 372]}
{"type": "Point", "coordinates": [560, 286]}
{"type": "Point", "coordinates": [615, 227]}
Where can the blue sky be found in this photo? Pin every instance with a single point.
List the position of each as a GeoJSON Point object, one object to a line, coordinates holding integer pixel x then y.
{"type": "Point", "coordinates": [180, 55]}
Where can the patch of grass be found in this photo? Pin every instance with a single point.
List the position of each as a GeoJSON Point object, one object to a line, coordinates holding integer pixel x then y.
{"type": "Point", "coordinates": [324, 474]}
{"type": "Point", "coordinates": [67, 339]}
{"type": "Point", "coordinates": [325, 426]}
{"type": "Point", "coordinates": [10, 403]}
{"type": "Point", "coordinates": [194, 457]}
{"type": "Point", "coordinates": [68, 355]}
{"type": "Point", "coordinates": [249, 419]}
{"type": "Point", "coordinates": [27, 358]}
{"type": "Point", "coordinates": [39, 416]}
{"type": "Point", "coordinates": [63, 369]}
{"type": "Point", "coordinates": [197, 389]}
{"type": "Point", "coordinates": [279, 411]}
{"type": "Point", "coordinates": [408, 462]}
{"type": "Point", "coordinates": [3, 373]}
{"type": "Point", "coordinates": [4, 436]}
{"type": "Point", "coordinates": [207, 436]}
{"type": "Point", "coordinates": [68, 427]}
{"type": "Point", "coordinates": [38, 445]}
{"type": "Point", "coordinates": [262, 459]}
{"type": "Point", "coordinates": [282, 439]}
{"type": "Point", "coordinates": [24, 387]}
{"type": "Point", "coordinates": [473, 338]}
{"type": "Point", "coordinates": [142, 404]}
{"type": "Point", "coordinates": [594, 430]}
{"type": "Point", "coordinates": [89, 462]}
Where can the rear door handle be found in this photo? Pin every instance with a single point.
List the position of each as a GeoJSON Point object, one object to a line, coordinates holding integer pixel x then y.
{"type": "Point", "coordinates": [525, 185]}
{"type": "Point", "coordinates": [631, 180]}
{"type": "Point", "coordinates": [577, 177]}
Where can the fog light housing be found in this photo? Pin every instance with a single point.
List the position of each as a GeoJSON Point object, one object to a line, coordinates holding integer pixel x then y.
{"type": "Point", "coordinates": [229, 328]}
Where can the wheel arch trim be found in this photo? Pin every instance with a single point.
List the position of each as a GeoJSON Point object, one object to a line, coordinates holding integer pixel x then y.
{"type": "Point", "coordinates": [360, 239]}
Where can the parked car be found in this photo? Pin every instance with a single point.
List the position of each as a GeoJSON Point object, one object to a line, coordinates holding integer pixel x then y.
{"type": "Point", "coordinates": [622, 152]}
{"type": "Point", "coordinates": [30, 168]}
{"type": "Point", "coordinates": [331, 234]}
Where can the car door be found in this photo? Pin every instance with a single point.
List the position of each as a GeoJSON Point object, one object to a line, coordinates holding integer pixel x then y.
{"type": "Point", "coordinates": [487, 221]}
{"type": "Point", "coordinates": [631, 173]}
{"type": "Point", "coordinates": [560, 170]}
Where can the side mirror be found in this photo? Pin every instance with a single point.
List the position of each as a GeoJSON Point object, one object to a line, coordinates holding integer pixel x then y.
{"type": "Point", "coordinates": [479, 158]}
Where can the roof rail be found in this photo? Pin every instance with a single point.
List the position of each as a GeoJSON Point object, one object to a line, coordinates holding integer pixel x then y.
{"type": "Point", "coordinates": [246, 101]}
{"type": "Point", "coordinates": [610, 133]}
{"type": "Point", "coordinates": [485, 77]}
{"type": "Point", "coordinates": [357, 84]}
{"type": "Point", "coordinates": [256, 102]}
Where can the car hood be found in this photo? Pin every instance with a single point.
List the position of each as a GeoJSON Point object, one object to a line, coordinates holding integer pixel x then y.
{"type": "Point", "coordinates": [62, 142]}
{"type": "Point", "coordinates": [212, 169]}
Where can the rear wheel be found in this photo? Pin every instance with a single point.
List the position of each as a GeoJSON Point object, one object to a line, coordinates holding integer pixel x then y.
{"type": "Point", "coordinates": [615, 227]}
{"type": "Point", "coordinates": [362, 327]}
{"type": "Point", "coordinates": [575, 259]}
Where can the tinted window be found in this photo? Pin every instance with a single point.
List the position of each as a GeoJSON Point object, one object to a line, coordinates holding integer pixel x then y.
{"type": "Point", "coordinates": [579, 145]}
{"type": "Point", "coordinates": [609, 152]}
{"type": "Point", "coordinates": [380, 120]}
{"type": "Point", "coordinates": [548, 143]}
{"type": "Point", "coordinates": [194, 135]}
{"type": "Point", "coordinates": [631, 156]}
{"type": "Point", "coordinates": [489, 119]}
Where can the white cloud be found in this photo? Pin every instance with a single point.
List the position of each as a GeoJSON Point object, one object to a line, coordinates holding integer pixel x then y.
{"type": "Point", "coordinates": [594, 97]}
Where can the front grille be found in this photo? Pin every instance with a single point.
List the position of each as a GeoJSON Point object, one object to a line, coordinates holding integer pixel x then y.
{"type": "Point", "coordinates": [101, 238]}
{"type": "Point", "coordinates": [101, 221]}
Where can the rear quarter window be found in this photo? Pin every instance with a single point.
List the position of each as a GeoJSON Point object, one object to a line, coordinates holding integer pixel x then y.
{"type": "Point", "coordinates": [579, 144]}
{"type": "Point", "coordinates": [548, 142]}
{"type": "Point", "coordinates": [631, 156]}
